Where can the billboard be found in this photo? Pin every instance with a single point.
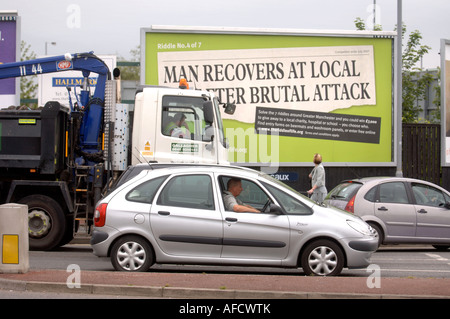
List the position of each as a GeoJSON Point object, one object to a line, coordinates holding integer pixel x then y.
{"type": "Point", "coordinates": [9, 52]}
{"type": "Point", "coordinates": [296, 93]}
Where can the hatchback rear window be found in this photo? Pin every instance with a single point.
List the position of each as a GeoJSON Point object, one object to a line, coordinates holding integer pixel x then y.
{"type": "Point", "coordinates": [344, 191]}
{"type": "Point", "coordinates": [145, 192]}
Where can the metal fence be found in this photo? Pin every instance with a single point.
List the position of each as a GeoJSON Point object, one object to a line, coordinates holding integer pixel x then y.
{"type": "Point", "coordinates": [421, 157]}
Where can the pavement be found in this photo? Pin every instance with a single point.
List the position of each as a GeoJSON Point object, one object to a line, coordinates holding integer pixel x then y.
{"type": "Point", "coordinates": [226, 286]}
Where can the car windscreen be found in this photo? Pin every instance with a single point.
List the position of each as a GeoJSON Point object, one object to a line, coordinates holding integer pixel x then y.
{"type": "Point", "coordinates": [344, 191]}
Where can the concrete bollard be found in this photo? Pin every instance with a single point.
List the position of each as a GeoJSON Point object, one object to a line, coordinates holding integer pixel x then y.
{"type": "Point", "coordinates": [14, 246]}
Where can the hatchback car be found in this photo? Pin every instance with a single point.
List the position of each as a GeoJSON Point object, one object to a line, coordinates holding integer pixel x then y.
{"type": "Point", "coordinates": [177, 215]}
{"type": "Point", "coordinates": [401, 210]}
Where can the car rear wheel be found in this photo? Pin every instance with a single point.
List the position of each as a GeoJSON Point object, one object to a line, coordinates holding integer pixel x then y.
{"type": "Point", "coordinates": [322, 258]}
{"type": "Point", "coordinates": [132, 253]}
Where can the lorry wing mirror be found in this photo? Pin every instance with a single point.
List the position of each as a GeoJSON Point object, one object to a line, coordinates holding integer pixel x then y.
{"type": "Point", "coordinates": [229, 108]}
{"type": "Point", "coordinates": [208, 112]}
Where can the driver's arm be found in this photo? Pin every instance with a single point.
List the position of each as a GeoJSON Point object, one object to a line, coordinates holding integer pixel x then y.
{"type": "Point", "coordinates": [245, 208]}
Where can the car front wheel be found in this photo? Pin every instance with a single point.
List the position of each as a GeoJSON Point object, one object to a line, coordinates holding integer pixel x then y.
{"type": "Point", "coordinates": [322, 258]}
{"type": "Point", "coordinates": [131, 253]}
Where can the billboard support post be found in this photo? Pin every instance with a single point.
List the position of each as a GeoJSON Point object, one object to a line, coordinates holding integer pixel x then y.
{"type": "Point", "coordinates": [398, 83]}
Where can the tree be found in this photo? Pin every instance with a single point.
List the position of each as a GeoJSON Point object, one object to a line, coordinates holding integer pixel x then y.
{"type": "Point", "coordinates": [131, 72]}
{"type": "Point", "coordinates": [361, 25]}
{"type": "Point", "coordinates": [28, 84]}
{"type": "Point", "coordinates": [436, 114]}
{"type": "Point", "coordinates": [414, 80]}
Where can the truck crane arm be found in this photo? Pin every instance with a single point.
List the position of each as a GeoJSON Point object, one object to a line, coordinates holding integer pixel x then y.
{"type": "Point", "coordinates": [80, 61]}
{"type": "Point", "coordinates": [85, 62]}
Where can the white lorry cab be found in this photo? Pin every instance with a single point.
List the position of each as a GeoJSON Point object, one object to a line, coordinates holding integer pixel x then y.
{"type": "Point", "coordinates": [178, 125]}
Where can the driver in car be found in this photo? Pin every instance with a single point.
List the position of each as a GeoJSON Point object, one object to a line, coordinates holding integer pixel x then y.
{"type": "Point", "coordinates": [234, 188]}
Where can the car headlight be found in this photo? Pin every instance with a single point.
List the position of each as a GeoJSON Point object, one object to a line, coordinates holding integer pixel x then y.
{"type": "Point", "coordinates": [362, 228]}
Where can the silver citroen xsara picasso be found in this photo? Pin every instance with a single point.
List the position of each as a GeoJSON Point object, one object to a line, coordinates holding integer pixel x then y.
{"type": "Point", "coordinates": [176, 214]}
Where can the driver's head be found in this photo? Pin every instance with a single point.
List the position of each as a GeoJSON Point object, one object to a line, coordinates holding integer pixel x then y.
{"type": "Point", "coordinates": [234, 186]}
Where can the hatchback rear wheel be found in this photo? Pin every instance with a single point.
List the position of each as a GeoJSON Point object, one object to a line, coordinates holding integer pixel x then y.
{"type": "Point", "coordinates": [322, 258]}
{"type": "Point", "coordinates": [132, 253]}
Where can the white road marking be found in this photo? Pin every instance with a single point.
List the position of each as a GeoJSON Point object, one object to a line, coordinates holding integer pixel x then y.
{"type": "Point", "coordinates": [437, 257]}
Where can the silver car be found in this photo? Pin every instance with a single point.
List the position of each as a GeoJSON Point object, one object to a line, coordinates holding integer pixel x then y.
{"type": "Point", "coordinates": [402, 210]}
{"type": "Point", "coordinates": [177, 215]}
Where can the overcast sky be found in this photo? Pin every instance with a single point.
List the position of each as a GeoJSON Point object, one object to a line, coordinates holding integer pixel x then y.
{"type": "Point", "coordinates": [113, 27]}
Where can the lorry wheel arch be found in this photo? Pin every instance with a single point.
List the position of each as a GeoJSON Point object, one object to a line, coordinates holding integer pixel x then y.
{"type": "Point", "coordinates": [46, 222]}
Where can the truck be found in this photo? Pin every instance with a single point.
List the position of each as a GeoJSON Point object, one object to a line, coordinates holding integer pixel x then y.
{"type": "Point", "coordinates": [59, 159]}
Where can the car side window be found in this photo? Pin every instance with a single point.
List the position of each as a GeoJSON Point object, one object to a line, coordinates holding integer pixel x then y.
{"type": "Point", "coordinates": [394, 192]}
{"type": "Point", "coordinates": [290, 205]}
{"type": "Point", "coordinates": [189, 191]}
{"type": "Point", "coordinates": [145, 192]}
{"type": "Point", "coordinates": [428, 195]}
{"type": "Point", "coordinates": [447, 198]}
{"type": "Point", "coordinates": [371, 195]}
{"type": "Point", "coordinates": [251, 194]}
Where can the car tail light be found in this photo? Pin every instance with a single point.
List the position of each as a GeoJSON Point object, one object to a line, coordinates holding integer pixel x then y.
{"type": "Point", "coordinates": [350, 207]}
{"type": "Point", "coordinates": [100, 215]}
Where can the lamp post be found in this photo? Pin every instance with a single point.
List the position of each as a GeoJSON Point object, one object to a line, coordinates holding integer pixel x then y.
{"type": "Point", "coordinates": [46, 44]}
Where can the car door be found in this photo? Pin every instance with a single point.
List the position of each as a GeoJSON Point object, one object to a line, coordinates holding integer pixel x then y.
{"type": "Point", "coordinates": [433, 218]}
{"type": "Point", "coordinates": [394, 208]}
{"type": "Point", "coordinates": [185, 220]}
{"type": "Point", "coordinates": [254, 235]}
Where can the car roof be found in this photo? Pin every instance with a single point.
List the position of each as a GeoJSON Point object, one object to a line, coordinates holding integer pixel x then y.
{"type": "Point", "coordinates": [369, 179]}
{"type": "Point", "coordinates": [173, 166]}
{"type": "Point", "coordinates": [136, 169]}
{"type": "Point", "coordinates": [376, 179]}
{"type": "Point", "coordinates": [227, 169]}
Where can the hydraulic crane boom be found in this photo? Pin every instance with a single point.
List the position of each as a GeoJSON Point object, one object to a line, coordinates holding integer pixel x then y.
{"type": "Point", "coordinates": [85, 62]}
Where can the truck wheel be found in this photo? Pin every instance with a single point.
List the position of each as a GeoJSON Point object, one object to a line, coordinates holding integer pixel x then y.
{"type": "Point", "coordinates": [46, 222]}
{"type": "Point", "coordinates": [68, 234]}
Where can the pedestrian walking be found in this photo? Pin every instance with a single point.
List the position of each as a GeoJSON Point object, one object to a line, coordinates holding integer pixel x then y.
{"type": "Point", "coordinates": [318, 190]}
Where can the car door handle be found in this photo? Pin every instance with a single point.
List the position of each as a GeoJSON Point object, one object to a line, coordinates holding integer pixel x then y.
{"type": "Point", "coordinates": [382, 208]}
{"type": "Point", "coordinates": [163, 213]}
{"type": "Point", "coordinates": [422, 211]}
{"type": "Point", "coordinates": [231, 219]}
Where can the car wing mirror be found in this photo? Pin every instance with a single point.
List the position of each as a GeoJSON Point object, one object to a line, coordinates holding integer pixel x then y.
{"type": "Point", "coordinates": [275, 209]}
